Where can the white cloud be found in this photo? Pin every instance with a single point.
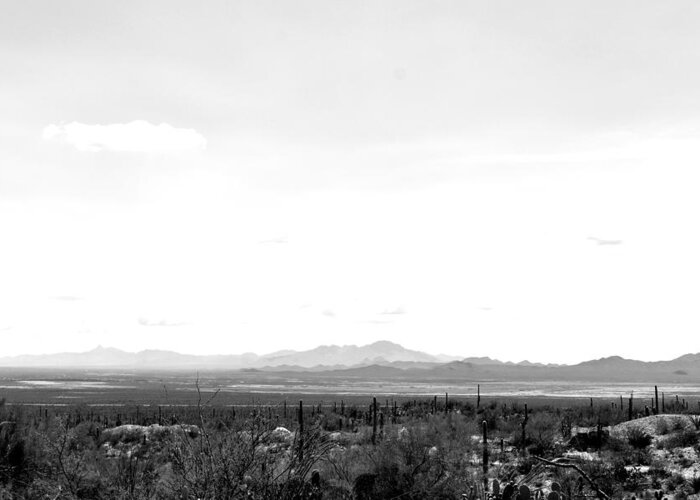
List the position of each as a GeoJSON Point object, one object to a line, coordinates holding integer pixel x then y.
{"type": "Point", "coordinates": [137, 136]}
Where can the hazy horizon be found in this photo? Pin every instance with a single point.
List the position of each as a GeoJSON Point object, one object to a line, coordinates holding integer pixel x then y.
{"type": "Point", "coordinates": [512, 180]}
{"type": "Point", "coordinates": [456, 357]}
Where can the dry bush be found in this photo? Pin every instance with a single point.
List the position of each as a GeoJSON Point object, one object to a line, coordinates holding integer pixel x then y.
{"type": "Point", "coordinates": [638, 437]}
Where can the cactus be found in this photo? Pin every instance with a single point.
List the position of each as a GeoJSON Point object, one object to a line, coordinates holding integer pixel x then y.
{"type": "Point", "coordinates": [556, 487]}
{"type": "Point", "coordinates": [629, 410]}
{"type": "Point", "coordinates": [374, 420]}
{"type": "Point", "coordinates": [553, 495]}
{"type": "Point", "coordinates": [508, 491]}
{"type": "Point", "coordinates": [523, 493]}
{"type": "Point", "coordinates": [315, 478]}
{"type": "Point", "coordinates": [484, 427]}
{"type": "Point", "coordinates": [301, 430]}
{"type": "Point", "coordinates": [656, 400]}
{"type": "Point", "coordinates": [524, 435]}
{"type": "Point", "coordinates": [496, 487]}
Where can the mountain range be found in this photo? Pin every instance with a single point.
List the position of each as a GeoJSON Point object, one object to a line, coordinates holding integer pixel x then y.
{"type": "Point", "coordinates": [328, 356]}
{"type": "Point", "coordinates": [381, 359]}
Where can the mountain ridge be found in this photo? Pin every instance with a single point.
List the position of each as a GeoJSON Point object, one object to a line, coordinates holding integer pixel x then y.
{"type": "Point", "coordinates": [382, 352]}
{"type": "Point", "coordinates": [382, 359]}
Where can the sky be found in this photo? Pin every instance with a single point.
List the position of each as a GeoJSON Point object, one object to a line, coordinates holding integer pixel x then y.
{"type": "Point", "coordinates": [508, 179]}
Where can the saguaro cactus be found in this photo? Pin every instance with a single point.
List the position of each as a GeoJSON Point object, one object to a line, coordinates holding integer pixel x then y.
{"type": "Point", "coordinates": [374, 420]}
{"type": "Point", "coordinates": [656, 400]}
{"type": "Point", "coordinates": [485, 457]}
{"type": "Point", "coordinates": [524, 425]}
{"type": "Point", "coordinates": [629, 410]}
{"type": "Point", "coordinates": [301, 430]}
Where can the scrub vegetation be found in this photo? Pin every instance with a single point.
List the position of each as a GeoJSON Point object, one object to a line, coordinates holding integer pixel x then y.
{"type": "Point", "coordinates": [385, 448]}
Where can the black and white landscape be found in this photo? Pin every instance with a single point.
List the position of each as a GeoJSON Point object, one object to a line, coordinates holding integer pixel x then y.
{"type": "Point", "coordinates": [335, 250]}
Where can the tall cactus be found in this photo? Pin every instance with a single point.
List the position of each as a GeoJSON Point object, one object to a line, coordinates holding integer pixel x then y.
{"type": "Point", "coordinates": [524, 434]}
{"type": "Point", "coordinates": [485, 459]}
{"type": "Point", "coordinates": [301, 430]}
{"type": "Point", "coordinates": [374, 420]}
{"type": "Point", "coordinates": [656, 400]}
{"type": "Point", "coordinates": [629, 409]}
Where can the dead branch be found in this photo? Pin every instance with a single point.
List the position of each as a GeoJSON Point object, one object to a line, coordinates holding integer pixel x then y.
{"type": "Point", "coordinates": [578, 469]}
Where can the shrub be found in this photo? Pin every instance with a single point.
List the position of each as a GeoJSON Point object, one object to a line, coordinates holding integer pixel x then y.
{"type": "Point", "coordinates": [695, 483]}
{"type": "Point", "coordinates": [677, 424]}
{"type": "Point", "coordinates": [682, 439]}
{"type": "Point", "coordinates": [661, 426]}
{"type": "Point", "coordinates": [695, 420]}
{"type": "Point", "coordinates": [605, 476]}
{"type": "Point", "coordinates": [638, 437]}
{"type": "Point", "coordinates": [676, 483]}
{"type": "Point", "coordinates": [543, 430]}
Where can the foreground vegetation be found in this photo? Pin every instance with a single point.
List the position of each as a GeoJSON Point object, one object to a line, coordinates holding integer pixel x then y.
{"type": "Point", "coordinates": [408, 449]}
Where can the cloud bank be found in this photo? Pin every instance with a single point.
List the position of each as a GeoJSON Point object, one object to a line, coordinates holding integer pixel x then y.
{"type": "Point", "coordinates": [138, 136]}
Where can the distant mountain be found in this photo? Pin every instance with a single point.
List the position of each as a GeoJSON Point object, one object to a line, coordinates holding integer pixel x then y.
{"type": "Point", "coordinates": [331, 356]}
{"type": "Point", "coordinates": [380, 353]}
{"type": "Point", "coordinates": [380, 360]}
{"type": "Point", "coordinates": [483, 360]}
{"type": "Point", "coordinates": [109, 357]}
{"type": "Point", "coordinates": [100, 356]}
{"type": "Point", "coordinates": [607, 370]}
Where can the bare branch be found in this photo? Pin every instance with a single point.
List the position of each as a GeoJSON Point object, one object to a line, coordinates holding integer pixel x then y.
{"type": "Point", "coordinates": [578, 469]}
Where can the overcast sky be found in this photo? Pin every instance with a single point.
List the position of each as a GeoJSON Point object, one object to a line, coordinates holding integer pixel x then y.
{"type": "Point", "coordinates": [512, 179]}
